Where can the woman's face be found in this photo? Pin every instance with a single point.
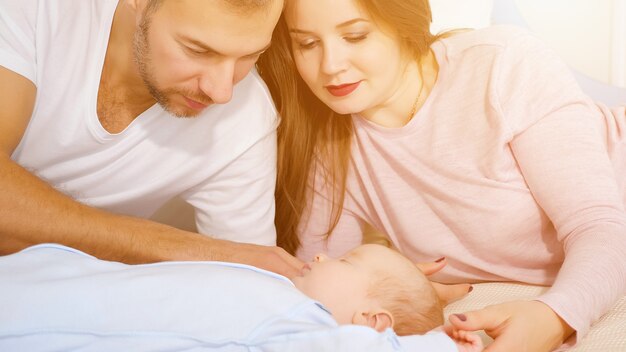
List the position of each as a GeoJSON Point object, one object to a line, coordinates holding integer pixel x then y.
{"type": "Point", "coordinates": [348, 62]}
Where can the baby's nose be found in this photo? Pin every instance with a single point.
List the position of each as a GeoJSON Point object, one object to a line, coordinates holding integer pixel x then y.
{"type": "Point", "coordinates": [320, 258]}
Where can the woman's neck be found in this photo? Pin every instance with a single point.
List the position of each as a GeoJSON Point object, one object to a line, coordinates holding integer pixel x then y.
{"type": "Point", "coordinates": [413, 91]}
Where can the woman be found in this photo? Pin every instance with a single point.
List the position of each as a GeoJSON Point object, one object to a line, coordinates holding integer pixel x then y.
{"type": "Point", "coordinates": [476, 145]}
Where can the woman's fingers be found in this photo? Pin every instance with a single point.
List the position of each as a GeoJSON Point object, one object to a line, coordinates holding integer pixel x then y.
{"type": "Point", "coordinates": [447, 293]}
{"type": "Point", "coordinates": [430, 268]}
{"type": "Point", "coordinates": [450, 293]}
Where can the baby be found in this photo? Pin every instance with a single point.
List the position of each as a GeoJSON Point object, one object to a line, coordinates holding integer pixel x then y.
{"type": "Point", "coordinates": [63, 298]}
{"type": "Point", "coordinates": [375, 286]}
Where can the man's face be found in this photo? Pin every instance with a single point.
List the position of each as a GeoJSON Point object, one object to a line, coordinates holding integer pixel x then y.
{"type": "Point", "coordinates": [191, 53]}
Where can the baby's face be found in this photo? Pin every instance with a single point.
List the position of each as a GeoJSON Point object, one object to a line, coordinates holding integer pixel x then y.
{"type": "Point", "coordinates": [342, 284]}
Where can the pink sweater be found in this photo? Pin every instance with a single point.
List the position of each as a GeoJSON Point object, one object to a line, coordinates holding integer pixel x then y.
{"type": "Point", "coordinates": [504, 171]}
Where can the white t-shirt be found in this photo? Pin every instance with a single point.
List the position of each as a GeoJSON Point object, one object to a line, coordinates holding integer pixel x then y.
{"type": "Point", "coordinates": [223, 162]}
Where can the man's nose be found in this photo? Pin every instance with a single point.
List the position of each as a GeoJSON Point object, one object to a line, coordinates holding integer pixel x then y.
{"type": "Point", "coordinates": [217, 82]}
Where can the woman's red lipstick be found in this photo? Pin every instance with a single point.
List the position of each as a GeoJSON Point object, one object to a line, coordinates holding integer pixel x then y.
{"type": "Point", "coordinates": [343, 90]}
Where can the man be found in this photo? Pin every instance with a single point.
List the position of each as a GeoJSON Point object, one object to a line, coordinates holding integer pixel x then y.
{"type": "Point", "coordinates": [89, 146]}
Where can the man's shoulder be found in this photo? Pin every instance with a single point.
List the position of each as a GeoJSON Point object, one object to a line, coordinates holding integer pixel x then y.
{"type": "Point", "coordinates": [55, 10]}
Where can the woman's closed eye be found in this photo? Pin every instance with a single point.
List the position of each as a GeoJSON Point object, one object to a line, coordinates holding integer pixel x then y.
{"type": "Point", "coordinates": [355, 38]}
{"type": "Point", "coordinates": [312, 43]}
{"type": "Point", "coordinates": [307, 44]}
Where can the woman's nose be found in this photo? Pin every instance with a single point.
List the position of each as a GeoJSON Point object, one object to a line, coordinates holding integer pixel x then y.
{"type": "Point", "coordinates": [333, 60]}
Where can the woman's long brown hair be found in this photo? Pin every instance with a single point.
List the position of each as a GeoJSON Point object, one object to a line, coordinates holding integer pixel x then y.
{"type": "Point", "coordinates": [310, 134]}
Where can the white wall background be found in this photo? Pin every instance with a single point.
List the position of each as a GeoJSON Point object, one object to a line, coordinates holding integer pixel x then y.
{"type": "Point", "coordinates": [589, 34]}
{"type": "Point", "coordinates": [451, 14]}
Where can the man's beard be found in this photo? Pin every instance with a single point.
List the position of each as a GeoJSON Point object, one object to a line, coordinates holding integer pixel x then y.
{"type": "Point", "coordinates": [141, 54]}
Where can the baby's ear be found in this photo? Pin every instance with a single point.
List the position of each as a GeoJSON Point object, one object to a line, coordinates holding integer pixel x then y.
{"type": "Point", "coordinates": [379, 320]}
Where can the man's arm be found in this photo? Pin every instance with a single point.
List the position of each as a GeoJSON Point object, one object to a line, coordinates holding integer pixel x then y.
{"type": "Point", "coordinates": [31, 211]}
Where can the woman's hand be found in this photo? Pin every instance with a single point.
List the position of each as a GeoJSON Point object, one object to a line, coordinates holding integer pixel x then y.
{"type": "Point", "coordinates": [516, 326]}
{"type": "Point", "coordinates": [447, 293]}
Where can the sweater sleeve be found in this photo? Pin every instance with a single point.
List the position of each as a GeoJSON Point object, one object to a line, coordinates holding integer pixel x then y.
{"type": "Point", "coordinates": [558, 144]}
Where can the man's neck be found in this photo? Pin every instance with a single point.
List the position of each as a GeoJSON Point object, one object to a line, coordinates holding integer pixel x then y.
{"type": "Point", "coordinates": [120, 72]}
{"type": "Point", "coordinates": [122, 95]}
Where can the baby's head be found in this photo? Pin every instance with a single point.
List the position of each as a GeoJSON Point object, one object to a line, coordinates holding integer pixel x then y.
{"type": "Point", "coordinates": [375, 286]}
